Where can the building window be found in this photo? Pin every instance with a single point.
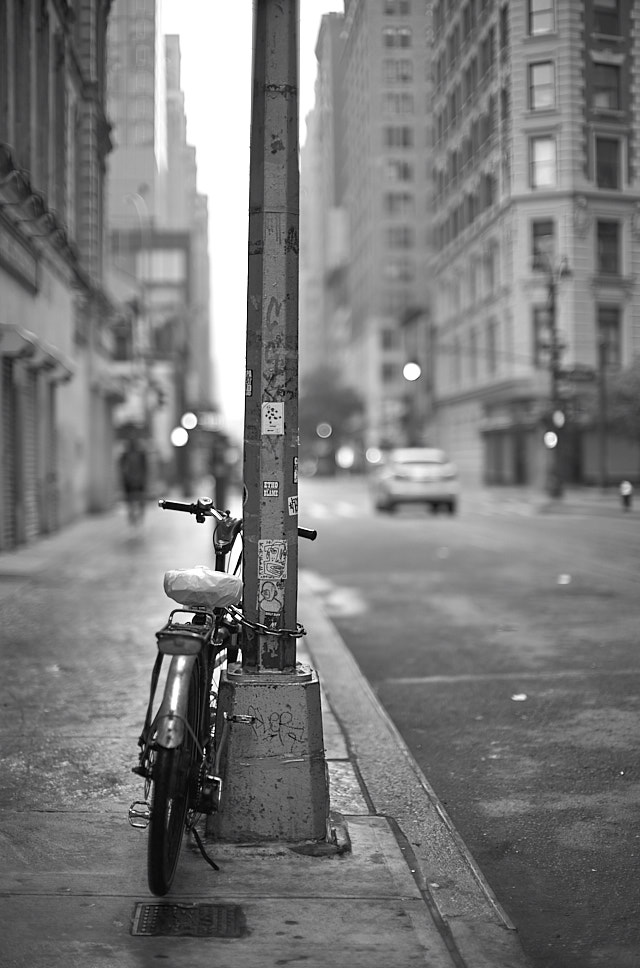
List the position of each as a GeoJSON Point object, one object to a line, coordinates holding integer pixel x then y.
{"type": "Point", "coordinates": [400, 237]}
{"type": "Point", "coordinates": [541, 17]}
{"type": "Point", "coordinates": [399, 171]}
{"type": "Point", "coordinates": [542, 243]}
{"type": "Point", "coordinates": [608, 248]}
{"type": "Point", "coordinates": [144, 57]}
{"type": "Point", "coordinates": [396, 36]}
{"type": "Point", "coordinates": [540, 336]}
{"type": "Point", "coordinates": [143, 133]}
{"type": "Point", "coordinates": [542, 86]}
{"type": "Point", "coordinates": [400, 270]}
{"type": "Point", "coordinates": [143, 107]}
{"type": "Point", "coordinates": [456, 359]}
{"type": "Point", "coordinates": [606, 17]}
{"type": "Point", "coordinates": [401, 8]}
{"type": "Point", "coordinates": [542, 162]}
{"type": "Point", "coordinates": [606, 87]}
{"type": "Point", "coordinates": [398, 203]}
{"type": "Point", "coordinates": [144, 82]}
{"type": "Point", "coordinates": [388, 339]}
{"type": "Point", "coordinates": [473, 356]}
{"type": "Point", "coordinates": [609, 335]}
{"type": "Point", "coordinates": [388, 373]}
{"type": "Point", "coordinates": [397, 102]}
{"type": "Point", "coordinates": [399, 136]}
{"type": "Point", "coordinates": [397, 71]}
{"type": "Point", "coordinates": [608, 173]}
{"type": "Point", "coordinates": [143, 29]}
{"type": "Point", "coordinates": [492, 351]}
{"type": "Point", "coordinates": [504, 26]}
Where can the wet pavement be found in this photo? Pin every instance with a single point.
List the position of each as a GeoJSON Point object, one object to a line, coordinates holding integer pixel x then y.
{"type": "Point", "coordinates": [78, 613]}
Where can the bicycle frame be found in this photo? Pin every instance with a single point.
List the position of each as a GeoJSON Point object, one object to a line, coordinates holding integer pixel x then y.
{"type": "Point", "coordinates": [184, 644]}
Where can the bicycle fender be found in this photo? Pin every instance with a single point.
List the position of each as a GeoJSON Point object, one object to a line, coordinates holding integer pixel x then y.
{"type": "Point", "coordinates": [170, 720]}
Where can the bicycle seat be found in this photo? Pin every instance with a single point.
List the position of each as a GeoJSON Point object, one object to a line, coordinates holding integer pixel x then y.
{"type": "Point", "coordinates": [202, 586]}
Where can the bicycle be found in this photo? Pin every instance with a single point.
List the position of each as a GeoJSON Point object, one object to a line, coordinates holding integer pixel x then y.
{"type": "Point", "coordinates": [180, 749]}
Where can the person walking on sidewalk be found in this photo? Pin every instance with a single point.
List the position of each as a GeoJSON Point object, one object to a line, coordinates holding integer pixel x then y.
{"type": "Point", "coordinates": [133, 475]}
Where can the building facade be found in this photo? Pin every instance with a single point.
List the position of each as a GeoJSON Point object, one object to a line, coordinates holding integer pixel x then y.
{"type": "Point", "coordinates": [535, 221]}
{"type": "Point", "coordinates": [56, 390]}
{"type": "Point", "coordinates": [368, 144]}
{"type": "Point", "coordinates": [386, 190]}
{"type": "Point", "coordinates": [159, 257]}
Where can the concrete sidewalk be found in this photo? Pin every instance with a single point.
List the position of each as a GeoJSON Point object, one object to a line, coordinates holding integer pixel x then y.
{"type": "Point", "coordinates": [73, 890]}
{"type": "Point", "coordinates": [574, 500]}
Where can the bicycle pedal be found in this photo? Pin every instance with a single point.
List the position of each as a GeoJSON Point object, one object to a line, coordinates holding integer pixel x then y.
{"type": "Point", "coordinates": [141, 771]}
{"type": "Point", "coordinates": [210, 794]}
{"type": "Point", "coordinates": [240, 719]}
{"type": "Point", "coordinates": [140, 814]}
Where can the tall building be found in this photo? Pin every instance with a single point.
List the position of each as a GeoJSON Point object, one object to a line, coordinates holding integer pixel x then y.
{"type": "Point", "coordinates": [386, 176]}
{"type": "Point", "coordinates": [323, 217]}
{"type": "Point", "coordinates": [187, 210]}
{"type": "Point", "coordinates": [488, 169]}
{"type": "Point", "coordinates": [368, 144]}
{"type": "Point", "coordinates": [536, 226]}
{"type": "Point", "coordinates": [159, 231]}
{"type": "Point", "coordinates": [56, 392]}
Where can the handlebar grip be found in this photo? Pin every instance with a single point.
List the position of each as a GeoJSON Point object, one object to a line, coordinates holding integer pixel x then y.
{"type": "Point", "coordinates": [309, 533]}
{"type": "Point", "coordinates": [176, 506]}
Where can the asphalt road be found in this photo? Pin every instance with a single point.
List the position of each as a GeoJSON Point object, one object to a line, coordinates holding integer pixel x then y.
{"type": "Point", "coordinates": [503, 644]}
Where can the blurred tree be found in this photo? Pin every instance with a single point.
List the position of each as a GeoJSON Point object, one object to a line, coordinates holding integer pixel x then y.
{"type": "Point", "coordinates": [324, 398]}
{"type": "Point", "coordinates": [623, 400]}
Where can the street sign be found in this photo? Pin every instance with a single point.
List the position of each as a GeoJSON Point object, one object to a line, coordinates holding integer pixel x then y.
{"type": "Point", "coordinates": [578, 374]}
{"type": "Point", "coordinates": [209, 420]}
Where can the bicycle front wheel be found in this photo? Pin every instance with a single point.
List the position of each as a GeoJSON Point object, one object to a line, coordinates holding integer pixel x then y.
{"type": "Point", "coordinates": [173, 785]}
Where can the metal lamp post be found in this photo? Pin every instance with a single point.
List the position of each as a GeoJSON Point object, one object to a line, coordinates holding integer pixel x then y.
{"type": "Point", "coordinates": [412, 371]}
{"type": "Point", "coordinates": [554, 275]}
{"type": "Point", "coordinates": [277, 789]}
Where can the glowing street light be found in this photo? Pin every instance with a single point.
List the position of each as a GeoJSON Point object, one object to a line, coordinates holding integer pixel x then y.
{"type": "Point", "coordinates": [189, 420]}
{"type": "Point", "coordinates": [411, 371]}
{"type": "Point", "coordinates": [179, 437]}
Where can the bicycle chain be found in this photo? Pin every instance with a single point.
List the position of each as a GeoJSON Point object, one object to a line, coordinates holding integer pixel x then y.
{"type": "Point", "coordinates": [238, 616]}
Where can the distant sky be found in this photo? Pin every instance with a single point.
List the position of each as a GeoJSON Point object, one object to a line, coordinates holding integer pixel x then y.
{"type": "Point", "coordinates": [215, 43]}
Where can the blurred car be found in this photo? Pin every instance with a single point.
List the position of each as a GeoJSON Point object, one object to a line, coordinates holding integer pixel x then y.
{"type": "Point", "coordinates": [416, 475]}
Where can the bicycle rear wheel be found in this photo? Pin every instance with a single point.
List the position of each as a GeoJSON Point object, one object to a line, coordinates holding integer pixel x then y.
{"type": "Point", "coordinates": [174, 774]}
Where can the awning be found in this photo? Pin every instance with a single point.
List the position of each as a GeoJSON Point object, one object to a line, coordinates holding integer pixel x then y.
{"type": "Point", "coordinates": [22, 344]}
{"type": "Point", "coordinates": [17, 342]}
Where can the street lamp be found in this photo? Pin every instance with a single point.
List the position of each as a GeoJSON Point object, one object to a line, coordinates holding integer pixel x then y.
{"type": "Point", "coordinates": [141, 335]}
{"type": "Point", "coordinates": [411, 371]}
{"type": "Point", "coordinates": [555, 273]}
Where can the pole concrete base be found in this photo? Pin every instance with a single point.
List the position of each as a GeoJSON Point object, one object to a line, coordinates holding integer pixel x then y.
{"type": "Point", "coordinates": [274, 774]}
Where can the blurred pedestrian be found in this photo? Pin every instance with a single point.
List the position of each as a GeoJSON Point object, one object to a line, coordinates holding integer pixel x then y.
{"type": "Point", "coordinates": [626, 494]}
{"type": "Point", "coordinates": [133, 475]}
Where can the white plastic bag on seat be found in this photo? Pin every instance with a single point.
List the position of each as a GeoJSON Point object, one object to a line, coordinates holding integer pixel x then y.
{"type": "Point", "coordinates": [202, 586]}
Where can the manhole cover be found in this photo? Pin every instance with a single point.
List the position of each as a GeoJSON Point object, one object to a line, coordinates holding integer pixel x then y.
{"type": "Point", "coordinates": [198, 920]}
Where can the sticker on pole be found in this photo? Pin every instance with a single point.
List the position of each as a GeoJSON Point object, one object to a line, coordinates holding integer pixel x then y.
{"type": "Point", "coordinates": [270, 602]}
{"type": "Point", "coordinates": [273, 418]}
{"type": "Point", "coordinates": [293, 505]}
{"type": "Point", "coordinates": [272, 558]}
{"type": "Point", "coordinates": [270, 488]}
{"type": "Point", "coordinates": [248, 383]}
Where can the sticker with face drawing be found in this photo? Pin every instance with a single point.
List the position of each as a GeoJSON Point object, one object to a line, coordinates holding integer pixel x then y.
{"type": "Point", "coordinates": [270, 603]}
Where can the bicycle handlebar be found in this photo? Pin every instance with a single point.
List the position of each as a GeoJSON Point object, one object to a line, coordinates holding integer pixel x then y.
{"type": "Point", "coordinates": [309, 533]}
{"type": "Point", "coordinates": [203, 507]}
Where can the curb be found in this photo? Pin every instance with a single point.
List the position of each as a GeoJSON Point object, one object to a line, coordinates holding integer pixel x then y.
{"type": "Point", "coordinates": [463, 905]}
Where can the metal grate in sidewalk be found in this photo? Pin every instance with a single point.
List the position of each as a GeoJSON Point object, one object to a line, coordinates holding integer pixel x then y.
{"type": "Point", "coordinates": [196, 920]}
